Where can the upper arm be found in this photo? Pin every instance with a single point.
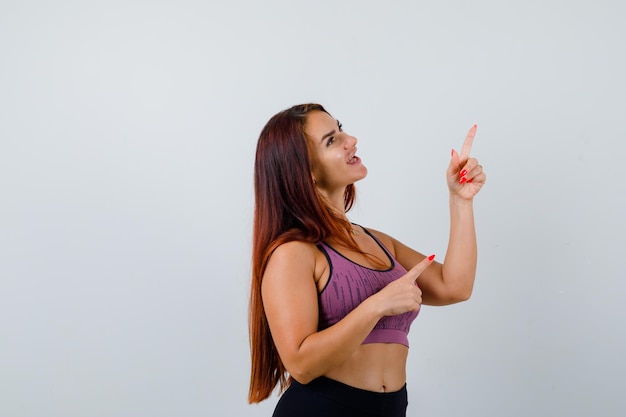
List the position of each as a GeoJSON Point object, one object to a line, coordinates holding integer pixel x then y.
{"type": "Point", "coordinates": [434, 291]}
{"type": "Point", "coordinates": [290, 297]}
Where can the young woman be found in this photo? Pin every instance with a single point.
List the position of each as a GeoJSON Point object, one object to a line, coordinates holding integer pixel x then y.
{"type": "Point", "coordinates": [332, 302]}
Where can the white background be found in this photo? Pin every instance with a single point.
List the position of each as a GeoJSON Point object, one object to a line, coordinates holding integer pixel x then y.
{"type": "Point", "coordinates": [127, 138]}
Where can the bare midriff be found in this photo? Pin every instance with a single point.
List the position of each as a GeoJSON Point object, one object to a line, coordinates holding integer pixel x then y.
{"type": "Point", "coordinates": [377, 367]}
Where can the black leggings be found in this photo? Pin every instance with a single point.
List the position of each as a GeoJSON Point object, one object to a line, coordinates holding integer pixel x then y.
{"type": "Point", "coordinates": [329, 398]}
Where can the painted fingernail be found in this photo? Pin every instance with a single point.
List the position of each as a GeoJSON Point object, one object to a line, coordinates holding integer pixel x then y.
{"type": "Point", "coordinates": [463, 173]}
{"type": "Point", "coordinates": [431, 257]}
{"type": "Point", "coordinates": [462, 180]}
{"type": "Point", "coordinates": [469, 181]}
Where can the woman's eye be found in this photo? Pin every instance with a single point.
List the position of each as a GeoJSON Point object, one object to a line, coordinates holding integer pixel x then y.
{"type": "Point", "coordinates": [330, 141]}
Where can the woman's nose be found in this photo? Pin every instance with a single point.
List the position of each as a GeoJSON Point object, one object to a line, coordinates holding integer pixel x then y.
{"type": "Point", "coordinates": [350, 141]}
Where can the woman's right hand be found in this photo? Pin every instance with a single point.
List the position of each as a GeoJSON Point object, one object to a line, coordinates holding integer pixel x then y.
{"type": "Point", "coordinates": [403, 294]}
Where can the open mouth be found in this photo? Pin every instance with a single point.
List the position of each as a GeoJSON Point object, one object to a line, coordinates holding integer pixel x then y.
{"type": "Point", "coordinates": [353, 158]}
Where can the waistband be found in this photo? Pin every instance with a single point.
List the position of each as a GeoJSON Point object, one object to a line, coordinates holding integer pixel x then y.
{"type": "Point", "coordinates": [370, 402]}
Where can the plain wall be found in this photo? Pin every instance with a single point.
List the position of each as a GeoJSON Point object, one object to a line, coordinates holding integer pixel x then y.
{"type": "Point", "coordinates": [127, 139]}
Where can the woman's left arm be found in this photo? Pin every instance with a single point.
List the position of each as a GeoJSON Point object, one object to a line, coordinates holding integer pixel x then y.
{"type": "Point", "coordinates": [453, 280]}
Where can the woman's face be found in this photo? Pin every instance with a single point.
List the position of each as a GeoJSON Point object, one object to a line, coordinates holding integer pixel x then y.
{"type": "Point", "coordinates": [334, 163]}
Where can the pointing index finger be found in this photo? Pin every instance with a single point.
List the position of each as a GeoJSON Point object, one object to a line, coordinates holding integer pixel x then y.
{"type": "Point", "coordinates": [415, 272]}
{"type": "Point", "coordinates": [467, 145]}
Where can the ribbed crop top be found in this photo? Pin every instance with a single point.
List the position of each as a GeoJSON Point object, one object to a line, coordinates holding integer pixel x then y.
{"type": "Point", "coordinates": [349, 284]}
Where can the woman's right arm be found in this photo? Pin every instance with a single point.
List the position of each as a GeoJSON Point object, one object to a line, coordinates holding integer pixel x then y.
{"type": "Point", "coordinates": [290, 301]}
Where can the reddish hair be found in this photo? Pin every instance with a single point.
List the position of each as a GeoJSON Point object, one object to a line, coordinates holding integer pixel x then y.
{"type": "Point", "coordinates": [287, 208]}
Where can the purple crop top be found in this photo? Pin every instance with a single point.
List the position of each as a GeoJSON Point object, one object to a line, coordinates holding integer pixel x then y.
{"type": "Point", "coordinates": [350, 283]}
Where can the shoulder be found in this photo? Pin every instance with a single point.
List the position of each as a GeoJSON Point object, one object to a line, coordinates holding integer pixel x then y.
{"type": "Point", "coordinates": [290, 268]}
{"type": "Point", "coordinates": [294, 248]}
{"type": "Point", "coordinates": [294, 258]}
{"type": "Point", "coordinates": [296, 263]}
{"type": "Point", "coordinates": [293, 252]}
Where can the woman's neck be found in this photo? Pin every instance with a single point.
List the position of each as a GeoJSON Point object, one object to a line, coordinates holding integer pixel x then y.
{"type": "Point", "coordinates": [336, 202]}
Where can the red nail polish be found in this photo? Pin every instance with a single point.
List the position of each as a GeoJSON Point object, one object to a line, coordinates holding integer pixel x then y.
{"type": "Point", "coordinates": [431, 257]}
{"type": "Point", "coordinates": [463, 173]}
{"type": "Point", "coordinates": [470, 181]}
{"type": "Point", "coordinates": [462, 180]}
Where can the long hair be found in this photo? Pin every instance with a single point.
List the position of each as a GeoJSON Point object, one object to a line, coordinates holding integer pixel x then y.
{"type": "Point", "coordinates": [287, 208]}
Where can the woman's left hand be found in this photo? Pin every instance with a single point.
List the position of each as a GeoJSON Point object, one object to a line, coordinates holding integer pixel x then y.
{"type": "Point", "coordinates": [465, 176]}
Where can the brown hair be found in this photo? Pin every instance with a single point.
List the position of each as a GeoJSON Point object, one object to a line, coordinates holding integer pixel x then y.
{"type": "Point", "coordinates": [287, 208]}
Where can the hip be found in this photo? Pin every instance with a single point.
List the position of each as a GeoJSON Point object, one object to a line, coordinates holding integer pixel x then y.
{"type": "Point", "coordinates": [326, 397]}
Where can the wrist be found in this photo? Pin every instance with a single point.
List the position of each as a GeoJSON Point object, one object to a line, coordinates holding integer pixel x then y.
{"type": "Point", "coordinates": [460, 201]}
{"type": "Point", "coordinates": [374, 307]}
